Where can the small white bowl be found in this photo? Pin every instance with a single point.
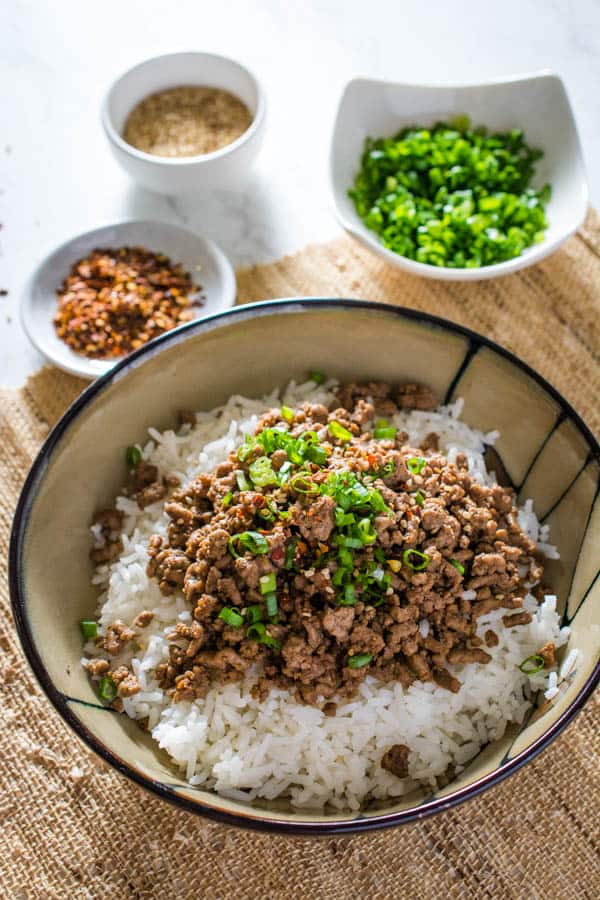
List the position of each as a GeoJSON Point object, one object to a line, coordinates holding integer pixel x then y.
{"type": "Point", "coordinates": [207, 264]}
{"type": "Point", "coordinates": [536, 103]}
{"type": "Point", "coordinates": [225, 168]}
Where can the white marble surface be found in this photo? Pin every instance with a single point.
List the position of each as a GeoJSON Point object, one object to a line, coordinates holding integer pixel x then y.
{"type": "Point", "coordinates": [57, 176]}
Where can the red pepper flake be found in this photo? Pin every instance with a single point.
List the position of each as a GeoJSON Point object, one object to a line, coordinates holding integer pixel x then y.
{"type": "Point", "coordinates": [115, 300]}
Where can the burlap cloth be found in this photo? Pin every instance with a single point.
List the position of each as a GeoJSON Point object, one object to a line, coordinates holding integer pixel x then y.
{"type": "Point", "coordinates": [70, 827]}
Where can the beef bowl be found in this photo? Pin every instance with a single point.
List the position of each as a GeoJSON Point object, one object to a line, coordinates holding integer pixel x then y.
{"type": "Point", "coordinates": [306, 586]}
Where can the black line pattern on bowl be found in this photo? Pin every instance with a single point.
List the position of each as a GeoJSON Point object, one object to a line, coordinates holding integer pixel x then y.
{"type": "Point", "coordinates": [561, 417]}
{"type": "Point", "coordinates": [473, 348]}
{"type": "Point", "coordinates": [569, 618]}
{"type": "Point", "coordinates": [88, 703]}
{"type": "Point", "coordinates": [589, 458]}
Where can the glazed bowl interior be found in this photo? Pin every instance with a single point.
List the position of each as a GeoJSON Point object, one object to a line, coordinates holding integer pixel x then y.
{"type": "Point", "coordinates": [546, 450]}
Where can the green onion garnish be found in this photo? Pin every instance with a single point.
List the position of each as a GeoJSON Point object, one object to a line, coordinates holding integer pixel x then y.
{"type": "Point", "coordinates": [387, 432]}
{"type": "Point", "coordinates": [231, 615]}
{"type": "Point", "coordinates": [359, 660]}
{"type": "Point", "coordinates": [349, 596]}
{"type": "Point", "coordinates": [259, 633]}
{"type": "Point", "coordinates": [267, 513]}
{"type": "Point", "coordinates": [419, 498]}
{"type": "Point", "coordinates": [366, 531]}
{"type": "Point", "coordinates": [416, 464]}
{"type": "Point", "coordinates": [267, 583]}
{"type": "Point", "coordinates": [316, 455]}
{"type": "Point", "coordinates": [226, 501]}
{"type": "Point", "coordinates": [253, 613]}
{"type": "Point", "coordinates": [317, 377]}
{"type": "Point", "coordinates": [287, 413]}
{"type": "Point", "coordinates": [89, 629]}
{"type": "Point", "coordinates": [251, 541]}
{"type": "Point", "coordinates": [337, 430]}
{"type": "Point", "coordinates": [246, 449]}
{"type": "Point", "coordinates": [107, 688]}
{"type": "Point", "coordinates": [423, 560]}
{"type": "Point", "coordinates": [133, 457]}
{"type": "Point", "coordinates": [271, 604]}
{"type": "Point", "coordinates": [532, 665]}
{"type": "Point", "coordinates": [458, 566]}
{"type": "Point", "coordinates": [261, 472]}
{"type": "Point", "coordinates": [304, 485]}
{"type": "Point", "coordinates": [242, 481]}
{"type": "Point", "coordinates": [290, 554]}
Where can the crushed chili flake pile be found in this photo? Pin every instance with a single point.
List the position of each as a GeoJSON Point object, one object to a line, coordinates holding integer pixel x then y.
{"type": "Point", "coordinates": [115, 300]}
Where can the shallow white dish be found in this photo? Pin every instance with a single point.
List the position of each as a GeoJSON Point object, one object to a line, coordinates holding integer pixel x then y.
{"type": "Point", "coordinates": [224, 168]}
{"type": "Point", "coordinates": [207, 264]}
{"type": "Point", "coordinates": [536, 103]}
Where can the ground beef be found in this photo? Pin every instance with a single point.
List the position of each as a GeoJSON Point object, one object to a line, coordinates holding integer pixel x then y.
{"type": "Point", "coordinates": [337, 539]}
{"type": "Point", "coordinates": [547, 652]}
{"type": "Point", "coordinates": [110, 543]}
{"type": "Point", "coordinates": [396, 760]}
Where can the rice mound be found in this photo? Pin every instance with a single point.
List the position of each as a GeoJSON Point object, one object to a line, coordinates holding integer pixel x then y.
{"type": "Point", "coordinates": [245, 749]}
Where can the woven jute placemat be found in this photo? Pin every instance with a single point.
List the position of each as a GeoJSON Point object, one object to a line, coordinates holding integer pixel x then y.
{"type": "Point", "coordinates": [70, 827]}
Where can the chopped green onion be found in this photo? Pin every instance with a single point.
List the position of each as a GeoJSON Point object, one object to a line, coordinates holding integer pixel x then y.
{"type": "Point", "coordinates": [419, 498]}
{"type": "Point", "coordinates": [304, 485]}
{"type": "Point", "coordinates": [253, 613]}
{"type": "Point", "coordinates": [271, 604]}
{"type": "Point", "coordinates": [246, 449]}
{"type": "Point", "coordinates": [385, 433]}
{"type": "Point", "coordinates": [452, 194]}
{"type": "Point", "coordinates": [337, 430]}
{"type": "Point", "coordinates": [349, 596]}
{"type": "Point", "coordinates": [89, 628]}
{"type": "Point", "coordinates": [231, 615]}
{"type": "Point", "coordinates": [381, 423]}
{"type": "Point", "coordinates": [267, 583]}
{"type": "Point", "coordinates": [316, 455]}
{"type": "Point", "coordinates": [458, 566]}
{"type": "Point", "coordinates": [287, 413]}
{"type": "Point", "coordinates": [242, 481]}
{"type": "Point", "coordinates": [366, 531]}
{"type": "Point", "coordinates": [419, 566]}
{"type": "Point", "coordinates": [532, 665]}
{"type": "Point", "coordinates": [133, 457]}
{"type": "Point", "coordinates": [317, 377]}
{"type": "Point", "coordinates": [107, 688]}
{"type": "Point", "coordinates": [416, 464]}
{"type": "Point", "coordinates": [359, 660]}
{"type": "Point", "coordinates": [261, 472]}
{"type": "Point", "coordinates": [290, 554]}
{"type": "Point", "coordinates": [252, 541]}
{"type": "Point", "coordinates": [259, 633]}
{"type": "Point", "coordinates": [226, 501]}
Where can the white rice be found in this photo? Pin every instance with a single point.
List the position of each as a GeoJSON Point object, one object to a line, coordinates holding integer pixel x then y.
{"type": "Point", "coordinates": [246, 749]}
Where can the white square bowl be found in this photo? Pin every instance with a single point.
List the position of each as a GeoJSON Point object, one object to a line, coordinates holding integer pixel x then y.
{"type": "Point", "coordinates": [537, 103]}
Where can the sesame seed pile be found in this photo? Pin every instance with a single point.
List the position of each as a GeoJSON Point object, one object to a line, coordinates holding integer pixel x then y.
{"type": "Point", "coordinates": [186, 121]}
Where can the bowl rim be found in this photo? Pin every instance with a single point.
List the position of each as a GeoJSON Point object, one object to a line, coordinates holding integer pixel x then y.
{"type": "Point", "coordinates": [83, 369]}
{"type": "Point", "coordinates": [60, 701]}
{"type": "Point", "coordinates": [182, 161]}
{"type": "Point", "coordinates": [531, 255]}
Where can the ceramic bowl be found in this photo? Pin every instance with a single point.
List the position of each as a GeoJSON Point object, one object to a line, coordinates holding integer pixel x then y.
{"type": "Point", "coordinates": [224, 168]}
{"type": "Point", "coordinates": [208, 266]}
{"type": "Point", "coordinates": [547, 452]}
{"type": "Point", "coordinates": [536, 103]}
